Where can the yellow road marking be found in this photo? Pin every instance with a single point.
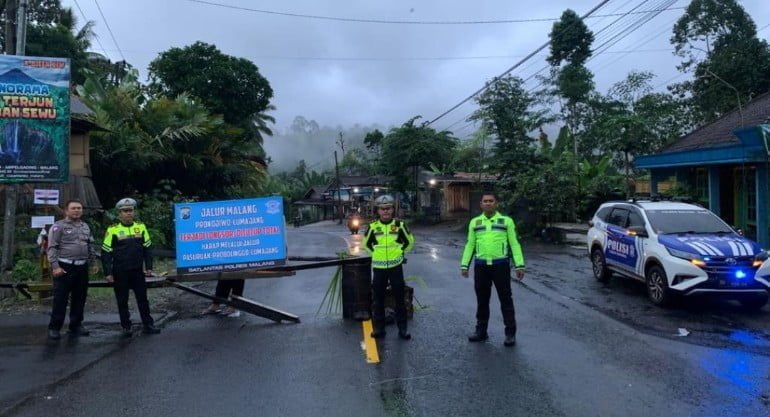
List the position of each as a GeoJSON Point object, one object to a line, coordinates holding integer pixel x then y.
{"type": "Point", "coordinates": [370, 345]}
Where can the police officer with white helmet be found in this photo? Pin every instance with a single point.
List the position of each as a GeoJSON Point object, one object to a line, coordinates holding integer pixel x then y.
{"type": "Point", "coordinates": [127, 261]}
{"type": "Point", "coordinates": [388, 239]}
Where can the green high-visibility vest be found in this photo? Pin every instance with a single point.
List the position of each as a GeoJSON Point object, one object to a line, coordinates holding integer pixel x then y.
{"type": "Point", "coordinates": [387, 243]}
{"type": "Point", "coordinates": [492, 240]}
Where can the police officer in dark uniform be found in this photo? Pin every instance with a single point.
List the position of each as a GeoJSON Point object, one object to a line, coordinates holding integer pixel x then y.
{"type": "Point", "coordinates": [127, 260]}
{"type": "Point", "coordinates": [493, 242]}
{"type": "Point", "coordinates": [69, 250]}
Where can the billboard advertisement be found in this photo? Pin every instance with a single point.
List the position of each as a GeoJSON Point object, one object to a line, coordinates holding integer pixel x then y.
{"type": "Point", "coordinates": [34, 119]}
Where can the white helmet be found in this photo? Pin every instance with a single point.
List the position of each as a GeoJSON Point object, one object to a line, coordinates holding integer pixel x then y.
{"type": "Point", "coordinates": [384, 201]}
{"type": "Point", "coordinates": [126, 203]}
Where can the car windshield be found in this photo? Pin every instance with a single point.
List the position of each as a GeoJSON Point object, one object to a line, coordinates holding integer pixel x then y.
{"type": "Point", "coordinates": [686, 221]}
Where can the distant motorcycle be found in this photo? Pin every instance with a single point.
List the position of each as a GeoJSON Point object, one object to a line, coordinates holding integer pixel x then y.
{"type": "Point", "coordinates": [354, 224]}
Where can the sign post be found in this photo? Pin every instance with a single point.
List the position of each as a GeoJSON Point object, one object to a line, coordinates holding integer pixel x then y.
{"type": "Point", "coordinates": [46, 197]}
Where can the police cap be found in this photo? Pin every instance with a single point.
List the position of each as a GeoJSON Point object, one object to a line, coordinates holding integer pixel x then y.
{"type": "Point", "coordinates": [384, 201]}
{"type": "Point", "coordinates": [125, 203]}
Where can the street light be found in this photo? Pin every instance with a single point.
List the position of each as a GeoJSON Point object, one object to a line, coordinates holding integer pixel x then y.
{"type": "Point", "coordinates": [432, 181]}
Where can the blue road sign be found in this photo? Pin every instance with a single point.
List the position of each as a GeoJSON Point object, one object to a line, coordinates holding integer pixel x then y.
{"type": "Point", "coordinates": [230, 235]}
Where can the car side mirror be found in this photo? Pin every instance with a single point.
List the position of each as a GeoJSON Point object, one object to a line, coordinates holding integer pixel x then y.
{"type": "Point", "coordinates": [738, 230]}
{"type": "Point", "coordinates": [639, 231]}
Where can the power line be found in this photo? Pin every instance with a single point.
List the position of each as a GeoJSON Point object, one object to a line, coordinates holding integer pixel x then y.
{"type": "Point", "coordinates": [599, 32]}
{"type": "Point", "coordinates": [632, 28]}
{"type": "Point", "coordinates": [697, 55]}
{"type": "Point", "coordinates": [438, 58]}
{"type": "Point", "coordinates": [385, 21]}
{"type": "Point", "coordinates": [669, 80]}
{"type": "Point", "coordinates": [545, 45]}
{"type": "Point", "coordinates": [613, 36]}
{"type": "Point", "coordinates": [462, 119]}
{"type": "Point", "coordinates": [472, 123]}
{"type": "Point", "coordinates": [95, 35]}
{"type": "Point", "coordinates": [403, 59]}
{"type": "Point", "coordinates": [613, 12]}
{"type": "Point", "coordinates": [109, 29]}
{"type": "Point", "coordinates": [666, 28]}
{"type": "Point", "coordinates": [525, 80]}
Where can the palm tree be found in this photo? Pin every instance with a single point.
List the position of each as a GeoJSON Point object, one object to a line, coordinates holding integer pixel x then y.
{"type": "Point", "coordinates": [260, 122]}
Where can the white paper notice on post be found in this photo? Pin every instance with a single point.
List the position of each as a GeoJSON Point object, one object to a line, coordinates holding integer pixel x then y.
{"type": "Point", "coordinates": [39, 222]}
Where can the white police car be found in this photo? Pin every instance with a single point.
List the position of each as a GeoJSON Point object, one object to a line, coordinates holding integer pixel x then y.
{"type": "Point", "coordinates": [677, 248]}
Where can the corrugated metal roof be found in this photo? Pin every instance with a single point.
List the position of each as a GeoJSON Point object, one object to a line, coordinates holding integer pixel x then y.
{"type": "Point", "coordinates": [720, 131]}
{"type": "Point", "coordinates": [78, 107]}
{"type": "Point", "coordinates": [353, 180]}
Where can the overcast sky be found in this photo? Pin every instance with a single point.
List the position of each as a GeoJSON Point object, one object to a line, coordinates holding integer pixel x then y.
{"type": "Point", "coordinates": [343, 73]}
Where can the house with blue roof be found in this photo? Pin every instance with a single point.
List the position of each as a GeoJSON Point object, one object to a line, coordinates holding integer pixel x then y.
{"type": "Point", "coordinates": [726, 163]}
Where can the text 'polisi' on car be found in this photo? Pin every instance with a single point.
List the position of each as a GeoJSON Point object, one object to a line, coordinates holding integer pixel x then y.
{"type": "Point", "coordinates": [677, 248]}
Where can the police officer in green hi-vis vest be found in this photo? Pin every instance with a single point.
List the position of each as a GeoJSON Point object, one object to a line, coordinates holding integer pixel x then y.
{"type": "Point", "coordinates": [492, 239]}
{"type": "Point", "coordinates": [388, 240]}
{"type": "Point", "coordinates": [127, 260]}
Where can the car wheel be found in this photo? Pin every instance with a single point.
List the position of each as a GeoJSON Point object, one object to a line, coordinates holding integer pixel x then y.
{"type": "Point", "coordinates": [754, 303]}
{"type": "Point", "coordinates": [657, 286]}
{"type": "Point", "coordinates": [601, 273]}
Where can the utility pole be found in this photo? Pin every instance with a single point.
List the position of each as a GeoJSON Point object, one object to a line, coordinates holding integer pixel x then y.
{"type": "Point", "coordinates": [11, 8]}
{"type": "Point", "coordinates": [732, 87]}
{"type": "Point", "coordinates": [744, 192]}
{"type": "Point", "coordinates": [339, 189]}
{"type": "Point", "coordinates": [341, 142]}
{"type": "Point", "coordinates": [416, 203]}
{"type": "Point", "coordinates": [21, 28]}
{"type": "Point", "coordinates": [12, 190]}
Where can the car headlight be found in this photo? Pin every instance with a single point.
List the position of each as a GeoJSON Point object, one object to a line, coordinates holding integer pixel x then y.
{"type": "Point", "coordinates": [684, 255]}
{"type": "Point", "coordinates": [759, 259]}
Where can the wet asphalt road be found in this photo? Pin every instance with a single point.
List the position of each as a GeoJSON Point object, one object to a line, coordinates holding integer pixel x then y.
{"type": "Point", "coordinates": [584, 350]}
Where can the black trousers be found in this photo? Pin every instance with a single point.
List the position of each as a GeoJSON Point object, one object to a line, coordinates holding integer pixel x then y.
{"type": "Point", "coordinates": [72, 285]}
{"type": "Point", "coordinates": [226, 285]}
{"type": "Point", "coordinates": [380, 280]}
{"type": "Point", "coordinates": [132, 280]}
{"type": "Point", "coordinates": [500, 276]}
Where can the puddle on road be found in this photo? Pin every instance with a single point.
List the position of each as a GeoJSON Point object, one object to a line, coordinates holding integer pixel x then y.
{"type": "Point", "coordinates": [354, 245]}
{"type": "Point", "coordinates": [745, 338]}
{"type": "Point", "coordinates": [744, 377]}
{"type": "Point", "coordinates": [394, 400]}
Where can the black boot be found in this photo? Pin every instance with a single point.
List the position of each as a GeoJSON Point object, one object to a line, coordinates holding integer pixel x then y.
{"type": "Point", "coordinates": [402, 332]}
{"type": "Point", "coordinates": [150, 329]}
{"type": "Point", "coordinates": [54, 334]}
{"type": "Point", "coordinates": [480, 335]}
{"type": "Point", "coordinates": [378, 329]}
{"type": "Point", "coordinates": [510, 336]}
{"type": "Point", "coordinates": [79, 331]}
